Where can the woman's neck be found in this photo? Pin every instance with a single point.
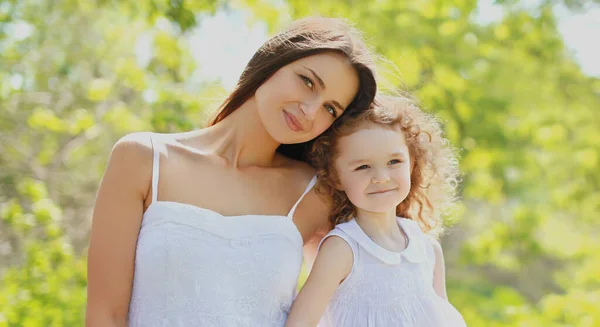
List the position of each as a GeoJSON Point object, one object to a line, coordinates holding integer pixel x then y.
{"type": "Point", "coordinates": [241, 138]}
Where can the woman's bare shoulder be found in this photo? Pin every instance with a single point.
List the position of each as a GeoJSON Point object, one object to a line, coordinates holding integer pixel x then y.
{"type": "Point", "coordinates": [135, 147]}
{"type": "Point", "coordinates": [131, 158]}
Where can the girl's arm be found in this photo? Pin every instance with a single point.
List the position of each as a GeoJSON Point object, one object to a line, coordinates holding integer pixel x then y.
{"type": "Point", "coordinates": [115, 228]}
{"type": "Point", "coordinates": [333, 264]}
{"type": "Point", "coordinates": [439, 270]}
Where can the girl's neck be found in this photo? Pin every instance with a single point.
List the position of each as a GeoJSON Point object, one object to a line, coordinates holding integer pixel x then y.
{"type": "Point", "coordinates": [380, 225]}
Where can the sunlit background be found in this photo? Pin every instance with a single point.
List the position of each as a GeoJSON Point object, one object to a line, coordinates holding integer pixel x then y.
{"type": "Point", "coordinates": [517, 84]}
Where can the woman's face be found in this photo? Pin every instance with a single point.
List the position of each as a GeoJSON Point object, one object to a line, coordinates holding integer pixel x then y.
{"type": "Point", "coordinates": [302, 99]}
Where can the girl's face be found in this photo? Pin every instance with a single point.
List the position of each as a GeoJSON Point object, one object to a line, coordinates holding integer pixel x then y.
{"type": "Point", "coordinates": [301, 100]}
{"type": "Point", "coordinates": [374, 168]}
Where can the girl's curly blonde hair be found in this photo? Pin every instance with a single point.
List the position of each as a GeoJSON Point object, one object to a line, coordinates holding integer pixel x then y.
{"type": "Point", "coordinates": [434, 164]}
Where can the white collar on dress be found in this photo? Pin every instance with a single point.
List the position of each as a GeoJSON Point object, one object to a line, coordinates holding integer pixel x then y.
{"type": "Point", "coordinates": [415, 252]}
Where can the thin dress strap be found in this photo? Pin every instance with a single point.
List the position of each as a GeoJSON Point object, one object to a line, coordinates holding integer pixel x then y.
{"type": "Point", "coordinates": [312, 183]}
{"type": "Point", "coordinates": [155, 169]}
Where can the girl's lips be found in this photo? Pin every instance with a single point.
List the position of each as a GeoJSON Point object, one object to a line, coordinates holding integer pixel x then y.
{"type": "Point", "coordinates": [383, 191]}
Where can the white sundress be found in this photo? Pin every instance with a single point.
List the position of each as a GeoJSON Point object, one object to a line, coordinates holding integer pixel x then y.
{"type": "Point", "coordinates": [387, 289]}
{"type": "Point", "coordinates": [196, 267]}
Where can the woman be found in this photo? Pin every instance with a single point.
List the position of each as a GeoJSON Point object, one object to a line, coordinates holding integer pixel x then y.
{"type": "Point", "coordinates": [206, 228]}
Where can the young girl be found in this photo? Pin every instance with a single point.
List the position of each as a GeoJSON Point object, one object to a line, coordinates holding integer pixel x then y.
{"type": "Point", "coordinates": [390, 174]}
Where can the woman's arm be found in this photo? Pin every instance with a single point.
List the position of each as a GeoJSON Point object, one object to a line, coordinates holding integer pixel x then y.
{"type": "Point", "coordinates": [115, 227]}
{"type": "Point", "coordinates": [312, 219]}
{"type": "Point", "coordinates": [332, 266]}
{"type": "Point", "coordinates": [311, 247]}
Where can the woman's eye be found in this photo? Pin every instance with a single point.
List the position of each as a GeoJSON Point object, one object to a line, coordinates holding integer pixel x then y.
{"type": "Point", "coordinates": [307, 81]}
{"type": "Point", "coordinates": [331, 110]}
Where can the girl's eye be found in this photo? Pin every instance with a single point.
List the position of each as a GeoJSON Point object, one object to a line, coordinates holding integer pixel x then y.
{"type": "Point", "coordinates": [362, 167]}
{"type": "Point", "coordinates": [394, 161]}
{"type": "Point", "coordinates": [331, 110]}
{"type": "Point", "coordinates": [307, 81]}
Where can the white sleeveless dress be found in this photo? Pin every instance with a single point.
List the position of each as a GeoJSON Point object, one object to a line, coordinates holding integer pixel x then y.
{"type": "Point", "coordinates": [196, 267]}
{"type": "Point", "coordinates": [388, 289]}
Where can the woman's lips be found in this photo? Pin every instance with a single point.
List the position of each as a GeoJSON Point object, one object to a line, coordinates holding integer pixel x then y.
{"type": "Point", "coordinates": [292, 122]}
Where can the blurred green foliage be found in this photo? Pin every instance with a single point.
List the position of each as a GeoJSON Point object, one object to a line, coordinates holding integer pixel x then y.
{"type": "Point", "coordinates": [522, 249]}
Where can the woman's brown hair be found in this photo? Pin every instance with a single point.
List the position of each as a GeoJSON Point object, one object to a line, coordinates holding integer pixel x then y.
{"type": "Point", "coordinates": [434, 165]}
{"type": "Point", "coordinates": [305, 37]}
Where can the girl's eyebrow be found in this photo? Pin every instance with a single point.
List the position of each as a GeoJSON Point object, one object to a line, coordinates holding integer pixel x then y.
{"type": "Point", "coordinates": [398, 154]}
{"type": "Point", "coordinates": [356, 162]}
